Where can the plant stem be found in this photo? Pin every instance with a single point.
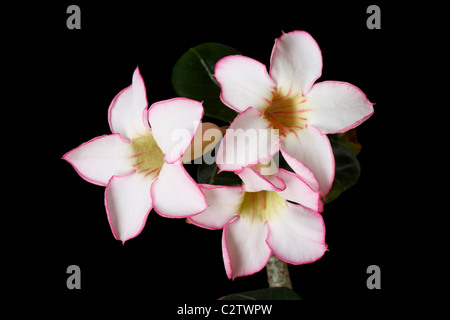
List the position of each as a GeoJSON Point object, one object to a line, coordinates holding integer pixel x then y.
{"type": "Point", "coordinates": [278, 273]}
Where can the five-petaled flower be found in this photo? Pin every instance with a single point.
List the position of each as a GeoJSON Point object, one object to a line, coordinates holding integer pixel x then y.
{"type": "Point", "coordinates": [286, 99]}
{"type": "Point", "coordinates": [139, 163]}
{"type": "Point", "coordinates": [257, 219]}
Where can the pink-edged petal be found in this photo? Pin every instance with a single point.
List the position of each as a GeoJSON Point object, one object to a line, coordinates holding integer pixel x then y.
{"type": "Point", "coordinates": [313, 149]}
{"type": "Point", "coordinates": [296, 62]}
{"type": "Point", "coordinates": [254, 181]}
{"type": "Point", "coordinates": [223, 203]}
{"type": "Point", "coordinates": [247, 141]}
{"type": "Point", "coordinates": [128, 111]}
{"type": "Point", "coordinates": [299, 191]}
{"type": "Point", "coordinates": [302, 171]}
{"type": "Point", "coordinates": [128, 203]}
{"type": "Point", "coordinates": [244, 82]}
{"type": "Point", "coordinates": [175, 194]}
{"type": "Point", "coordinates": [297, 235]}
{"type": "Point", "coordinates": [337, 106]}
{"type": "Point", "coordinates": [99, 159]}
{"type": "Point", "coordinates": [174, 123]}
{"type": "Point", "coordinates": [244, 247]}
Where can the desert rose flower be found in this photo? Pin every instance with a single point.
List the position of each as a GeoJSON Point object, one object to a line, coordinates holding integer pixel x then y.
{"type": "Point", "coordinates": [258, 219]}
{"type": "Point", "coordinates": [287, 100]}
{"type": "Point", "coordinates": [139, 163]}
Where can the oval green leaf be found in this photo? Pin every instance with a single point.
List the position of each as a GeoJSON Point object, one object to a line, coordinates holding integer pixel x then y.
{"type": "Point", "coordinates": [348, 139]}
{"type": "Point", "coordinates": [347, 170]}
{"type": "Point", "coordinates": [193, 78]}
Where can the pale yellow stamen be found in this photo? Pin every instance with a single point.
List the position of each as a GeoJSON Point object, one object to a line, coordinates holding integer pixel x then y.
{"type": "Point", "coordinates": [147, 156]}
{"type": "Point", "coordinates": [261, 206]}
{"type": "Point", "coordinates": [287, 112]}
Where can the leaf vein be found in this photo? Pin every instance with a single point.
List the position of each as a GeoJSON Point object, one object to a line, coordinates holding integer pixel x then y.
{"type": "Point", "coordinates": [203, 62]}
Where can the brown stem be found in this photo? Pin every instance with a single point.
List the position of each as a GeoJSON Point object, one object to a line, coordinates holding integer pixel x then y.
{"type": "Point", "coordinates": [278, 273]}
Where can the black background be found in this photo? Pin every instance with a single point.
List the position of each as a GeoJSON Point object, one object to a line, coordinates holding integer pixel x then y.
{"type": "Point", "coordinates": [72, 77]}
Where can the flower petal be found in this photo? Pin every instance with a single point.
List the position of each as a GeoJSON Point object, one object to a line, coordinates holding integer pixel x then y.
{"type": "Point", "coordinates": [244, 82]}
{"type": "Point", "coordinates": [296, 62]}
{"type": "Point", "coordinates": [248, 140]}
{"type": "Point", "coordinates": [297, 235]}
{"type": "Point", "coordinates": [128, 203]}
{"type": "Point", "coordinates": [337, 106]}
{"type": "Point", "coordinates": [299, 191]}
{"type": "Point", "coordinates": [254, 181]}
{"type": "Point", "coordinates": [244, 247]}
{"type": "Point", "coordinates": [99, 159]}
{"type": "Point", "coordinates": [175, 194]}
{"type": "Point", "coordinates": [174, 123]}
{"type": "Point", "coordinates": [314, 151]}
{"type": "Point", "coordinates": [302, 171]}
{"type": "Point", "coordinates": [223, 203]}
{"type": "Point", "coordinates": [127, 113]}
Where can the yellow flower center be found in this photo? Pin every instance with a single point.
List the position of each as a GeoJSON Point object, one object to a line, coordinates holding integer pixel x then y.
{"type": "Point", "coordinates": [287, 112]}
{"type": "Point", "coordinates": [261, 205]}
{"type": "Point", "coordinates": [148, 157]}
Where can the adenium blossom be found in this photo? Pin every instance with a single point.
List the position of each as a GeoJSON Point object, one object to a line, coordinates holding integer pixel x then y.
{"type": "Point", "coordinates": [258, 219]}
{"type": "Point", "coordinates": [286, 99]}
{"type": "Point", "coordinates": [139, 163]}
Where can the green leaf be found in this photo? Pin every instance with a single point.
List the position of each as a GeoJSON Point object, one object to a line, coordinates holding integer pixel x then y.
{"type": "Point", "coordinates": [208, 174]}
{"type": "Point", "coordinates": [265, 294]}
{"type": "Point", "coordinates": [348, 139]}
{"type": "Point", "coordinates": [193, 77]}
{"type": "Point", "coordinates": [347, 170]}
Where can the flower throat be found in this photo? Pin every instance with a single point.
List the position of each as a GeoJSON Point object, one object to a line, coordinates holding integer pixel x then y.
{"type": "Point", "coordinates": [261, 205]}
{"type": "Point", "coordinates": [287, 113]}
{"type": "Point", "coordinates": [148, 157]}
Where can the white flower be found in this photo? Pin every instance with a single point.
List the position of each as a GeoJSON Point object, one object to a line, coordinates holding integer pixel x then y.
{"type": "Point", "coordinates": [286, 99]}
{"type": "Point", "coordinates": [139, 163]}
{"type": "Point", "coordinates": [257, 219]}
